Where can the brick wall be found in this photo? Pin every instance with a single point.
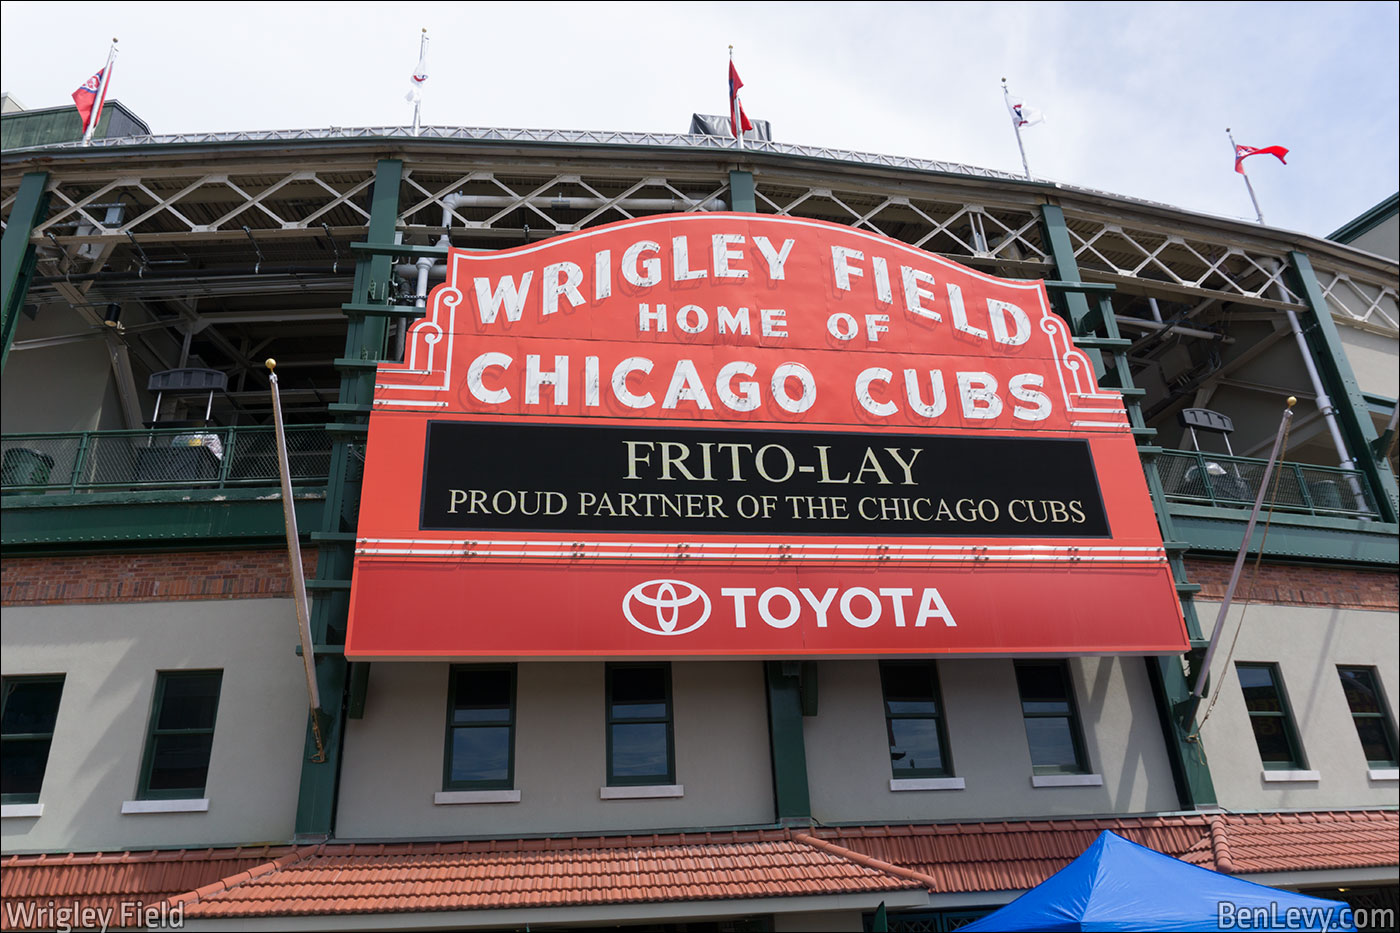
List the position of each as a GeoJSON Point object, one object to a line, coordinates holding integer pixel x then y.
{"type": "Point", "coordinates": [1284, 585]}
{"type": "Point", "coordinates": [131, 578]}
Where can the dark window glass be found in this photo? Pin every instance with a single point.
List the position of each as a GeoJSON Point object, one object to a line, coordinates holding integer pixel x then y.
{"type": "Point", "coordinates": [30, 709]}
{"type": "Point", "coordinates": [641, 744]}
{"type": "Point", "coordinates": [481, 728]}
{"type": "Point", "coordinates": [1269, 716]}
{"type": "Point", "coordinates": [1370, 713]}
{"type": "Point", "coordinates": [181, 737]}
{"type": "Point", "coordinates": [913, 719]}
{"type": "Point", "coordinates": [1052, 720]}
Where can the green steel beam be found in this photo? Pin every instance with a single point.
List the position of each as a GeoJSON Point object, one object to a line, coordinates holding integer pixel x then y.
{"type": "Point", "coordinates": [366, 338]}
{"type": "Point", "coordinates": [17, 253]}
{"type": "Point", "coordinates": [243, 516]}
{"type": "Point", "coordinates": [1348, 401]}
{"type": "Point", "coordinates": [1052, 222]}
{"type": "Point", "coordinates": [1291, 537]}
{"type": "Point", "coordinates": [1096, 331]}
{"type": "Point", "coordinates": [783, 679]}
{"type": "Point", "coordinates": [741, 193]}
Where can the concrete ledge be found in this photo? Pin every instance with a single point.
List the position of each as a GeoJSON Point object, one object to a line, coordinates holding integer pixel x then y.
{"type": "Point", "coordinates": [1066, 780]}
{"type": "Point", "coordinates": [20, 810]}
{"type": "Point", "coordinates": [1383, 774]}
{"type": "Point", "coordinates": [1295, 777]}
{"type": "Point", "coordinates": [453, 797]}
{"type": "Point", "coordinates": [944, 783]}
{"type": "Point", "coordinates": [641, 792]}
{"type": "Point", "coordinates": [200, 805]}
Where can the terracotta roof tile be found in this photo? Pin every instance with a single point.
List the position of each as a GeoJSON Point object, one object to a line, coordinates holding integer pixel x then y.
{"type": "Point", "coordinates": [549, 873]}
{"type": "Point", "coordinates": [106, 880]}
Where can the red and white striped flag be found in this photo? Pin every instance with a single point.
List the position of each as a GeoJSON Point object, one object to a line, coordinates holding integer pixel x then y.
{"type": "Point", "coordinates": [1244, 152]}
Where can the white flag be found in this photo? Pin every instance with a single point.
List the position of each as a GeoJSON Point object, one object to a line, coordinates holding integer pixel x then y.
{"type": "Point", "coordinates": [420, 74]}
{"type": "Point", "coordinates": [1021, 115]}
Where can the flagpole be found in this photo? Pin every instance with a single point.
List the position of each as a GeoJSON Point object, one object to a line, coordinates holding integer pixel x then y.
{"type": "Point", "coordinates": [1199, 690]}
{"type": "Point", "coordinates": [734, 119]}
{"type": "Point", "coordinates": [1016, 125]}
{"type": "Point", "coordinates": [1236, 150]}
{"type": "Point", "coordinates": [418, 98]}
{"type": "Point", "coordinates": [303, 608]}
{"type": "Point", "coordinates": [101, 93]}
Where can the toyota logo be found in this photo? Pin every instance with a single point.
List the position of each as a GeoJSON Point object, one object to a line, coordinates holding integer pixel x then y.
{"type": "Point", "coordinates": [663, 607]}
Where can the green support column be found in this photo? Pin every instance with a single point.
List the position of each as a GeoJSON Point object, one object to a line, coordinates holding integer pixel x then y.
{"type": "Point", "coordinates": [1352, 413]}
{"type": "Point", "coordinates": [1096, 329]}
{"type": "Point", "coordinates": [741, 192]}
{"type": "Point", "coordinates": [365, 339]}
{"type": "Point", "coordinates": [17, 253]}
{"type": "Point", "coordinates": [783, 679]}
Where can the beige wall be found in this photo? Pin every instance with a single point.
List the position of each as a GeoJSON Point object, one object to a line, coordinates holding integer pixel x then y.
{"type": "Point", "coordinates": [110, 655]}
{"type": "Point", "coordinates": [1375, 360]}
{"type": "Point", "coordinates": [1307, 644]}
{"type": "Point", "coordinates": [394, 756]}
{"type": "Point", "coordinates": [848, 757]}
{"type": "Point", "coordinates": [75, 378]}
{"type": "Point", "coordinates": [1383, 239]}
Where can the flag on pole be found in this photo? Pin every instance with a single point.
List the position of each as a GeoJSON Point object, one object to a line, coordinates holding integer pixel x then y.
{"type": "Point", "coordinates": [420, 74]}
{"type": "Point", "coordinates": [738, 120]}
{"type": "Point", "coordinates": [1244, 152]}
{"type": "Point", "coordinates": [90, 96]}
{"type": "Point", "coordinates": [1021, 115]}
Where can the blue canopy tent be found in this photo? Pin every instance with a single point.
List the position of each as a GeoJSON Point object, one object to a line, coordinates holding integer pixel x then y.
{"type": "Point", "coordinates": [1120, 885]}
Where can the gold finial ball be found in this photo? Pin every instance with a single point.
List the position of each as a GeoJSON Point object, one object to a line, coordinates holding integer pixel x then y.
{"type": "Point", "coordinates": [1292, 400]}
{"type": "Point", "coordinates": [425, 29]}
{"type": "Point", "coordinates": [271, 364]}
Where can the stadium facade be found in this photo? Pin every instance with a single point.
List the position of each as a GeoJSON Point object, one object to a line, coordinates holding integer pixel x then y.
{"type": "Point", "coordinates": [158, 752]}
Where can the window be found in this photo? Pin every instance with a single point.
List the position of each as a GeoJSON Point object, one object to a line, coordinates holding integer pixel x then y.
{"type": "Point", "coordinates": [1052, 720]}
{"type": "Point", "coordinates": [641, 746]}
{"type": "Point", "coordinates": [1269, 715]}
{"type": "Point", "coordinates": [1368, 711]}
{"type": "Point", "coordinates": [181, 737]}
{"type": "Point", "coordinates": [30, 708]}
{"type": "Point", "coordinates": [480, 728]}
{"type": "Point", "coordinates": [914, 719]}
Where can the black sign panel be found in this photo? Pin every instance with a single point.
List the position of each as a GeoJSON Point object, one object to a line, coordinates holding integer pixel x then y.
{"type": "Point", "coordinates": [546, 477]}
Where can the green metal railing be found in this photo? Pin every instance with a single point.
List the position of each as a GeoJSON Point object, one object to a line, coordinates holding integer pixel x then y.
{"type": "Point", "coordinates": [168, 458]}
{"type": "Point", "coordinates": [1233, 482]}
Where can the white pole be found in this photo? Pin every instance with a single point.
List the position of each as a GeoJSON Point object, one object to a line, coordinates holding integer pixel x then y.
{"type": "Point", "coordinates": [299, 598]}
{"type": "Point", "coordinates": [1235, 151]}
{"type": "Point", "coordinates": [96, 114]}
{"type": "Point", "coordinates": [417, 98]}
{"type": "Point", "coordinates": [1016, 124]}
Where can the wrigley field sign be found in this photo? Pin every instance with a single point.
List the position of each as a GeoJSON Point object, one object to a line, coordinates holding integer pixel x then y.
{"type": "Point", "coordinates": [708, 435]}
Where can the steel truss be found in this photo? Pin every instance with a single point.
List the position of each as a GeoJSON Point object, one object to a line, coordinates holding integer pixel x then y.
{"type": "Point", "coordinates": [143, 212]}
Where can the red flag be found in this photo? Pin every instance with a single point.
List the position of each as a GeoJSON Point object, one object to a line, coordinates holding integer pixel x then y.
{"type": "Point", "coordinates": [737, 118]}
{"type": "Point", "coordinates": [89, 97]}
{"type": "Point", "coordinates": [1244, 152]}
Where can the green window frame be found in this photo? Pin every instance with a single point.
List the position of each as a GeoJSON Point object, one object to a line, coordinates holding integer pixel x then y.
{"type": "Point", "coordinates": [28, 715]}
{"type": "Point", "coordinates": [180, 738]}
{"type": "Point", "coordinates": [914, 719]}
{"type": "Point", "coordinates": [639, 722]}
{"type": "Point", "coordinates": [1054, 733]}
{"type": "Point", "coordinates": [1370, 713]}
{"type": "Point", "coordinates": [479, 753]}
{"type": "Point", "coordinates": [1270, 716]}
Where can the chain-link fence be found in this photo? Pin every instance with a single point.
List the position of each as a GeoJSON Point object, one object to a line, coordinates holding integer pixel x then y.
{"type": "Point", "coordinates": [1233, 482]}
{"type": "Point", "coordinates": [167, 458]}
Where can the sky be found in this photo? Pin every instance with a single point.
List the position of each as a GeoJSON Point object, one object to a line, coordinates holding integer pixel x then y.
{"type": "Point", "coordinates": [1137, 96]}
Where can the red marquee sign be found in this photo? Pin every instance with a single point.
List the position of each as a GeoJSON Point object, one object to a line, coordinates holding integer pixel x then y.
{"type": "Point", "coordinates": [710, 435]}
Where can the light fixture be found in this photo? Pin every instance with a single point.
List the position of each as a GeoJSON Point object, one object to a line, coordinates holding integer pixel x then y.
{"type": "Point", "coordinates": [113, 317]}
